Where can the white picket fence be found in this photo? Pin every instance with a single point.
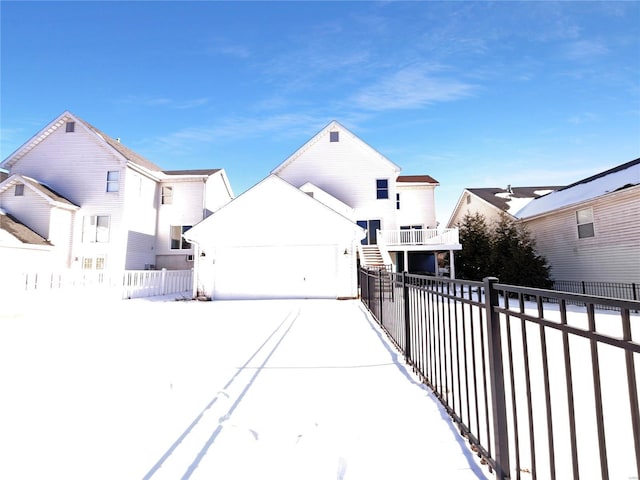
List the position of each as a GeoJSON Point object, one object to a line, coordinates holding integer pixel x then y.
{"type": "Point", "coordinates": [124, 284]}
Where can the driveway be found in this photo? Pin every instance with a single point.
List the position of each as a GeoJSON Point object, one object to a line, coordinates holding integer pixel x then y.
{"type": "Point", "coordinates": [162, 389]}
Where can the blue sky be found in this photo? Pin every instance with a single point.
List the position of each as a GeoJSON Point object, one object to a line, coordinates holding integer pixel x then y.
{"type": "Point", "coordinates": [473, 94]}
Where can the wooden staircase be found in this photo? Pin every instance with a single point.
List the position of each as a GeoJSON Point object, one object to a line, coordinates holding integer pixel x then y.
{"type": "Point", "coordinates": [371, 257]}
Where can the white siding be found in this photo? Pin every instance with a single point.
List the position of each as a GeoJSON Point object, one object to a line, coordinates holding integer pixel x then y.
{"type": "Point", "coordinates": [31, 209]}
{"type": "Point", "coordinates": [472, 204]}
{"type": "Point", "coordinates": [348, 170]}
{"type": "Point", "coordinates": [275, 241]}
{"type": "Point", "coordinates": [140, 220]}
{"type": "Point", "coordinates": [75, 165]}
{"type": "Point", "coordinates": [217, 194]}
{"type": "Point", "coordinates": [60, 235]}
{"type": "Point", "coordinates": [612, 255]}
{"type": "Point", "coordinates": [417, 206]}
{"type": "Point", "coordinates": [188, 208]}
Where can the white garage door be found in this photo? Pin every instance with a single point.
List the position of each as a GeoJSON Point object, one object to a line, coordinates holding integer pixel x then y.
{"type": "Point", "coordinates": [276, 272]}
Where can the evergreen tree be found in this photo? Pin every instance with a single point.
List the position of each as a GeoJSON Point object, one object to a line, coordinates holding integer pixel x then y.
{"type": "Point", "coordinates": [505, 250]}
{"type": "Point", "coordinates": [473, 261]}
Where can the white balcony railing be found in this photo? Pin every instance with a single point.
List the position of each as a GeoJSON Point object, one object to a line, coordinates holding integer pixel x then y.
{"type": "Point", "coordinates": [428, 236]}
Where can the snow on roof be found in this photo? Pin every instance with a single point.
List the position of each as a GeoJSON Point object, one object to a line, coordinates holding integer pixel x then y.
{"type": "Point", "coordinates": [617, 178]}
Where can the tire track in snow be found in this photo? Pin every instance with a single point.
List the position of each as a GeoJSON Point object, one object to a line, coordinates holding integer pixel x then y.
{"type": "Point", "coordinates": [214, 415]}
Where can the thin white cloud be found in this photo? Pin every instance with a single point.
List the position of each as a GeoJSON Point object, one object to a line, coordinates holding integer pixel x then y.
{"type": "Point", "coordinates": [411, 87]}
{"type": "Point", "coordinates": [237, 51]}
{"type": "Point", "coordinates": [583, 118]}
{"type": "Point", "coordinates": [165, 102]}
{"type": "Point", "coordinates": [585, 50]}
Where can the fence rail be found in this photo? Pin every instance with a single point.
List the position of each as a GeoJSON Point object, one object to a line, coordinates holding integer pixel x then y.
{"type": "Point", "coordinates": [627, 291]}
{"type": "Point", "coordinates": [123, 284]}
{"type": "Point", "coordinates": [539, 389]}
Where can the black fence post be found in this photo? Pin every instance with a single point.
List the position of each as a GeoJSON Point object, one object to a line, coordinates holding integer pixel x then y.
{"type": "Point", "coordinates": [380, 295]}
{"type": "Point", "coordinates": [496, 377]}
{"type": "Point", "coordinates": [407, 323]}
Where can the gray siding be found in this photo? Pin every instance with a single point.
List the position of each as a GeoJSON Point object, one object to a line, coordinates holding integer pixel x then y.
{"type": "Point", "coordinates": [612, 255]}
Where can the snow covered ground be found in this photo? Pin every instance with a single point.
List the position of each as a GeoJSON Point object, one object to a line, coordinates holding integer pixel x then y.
{"type": "Point", "coordinates": [164, 389]}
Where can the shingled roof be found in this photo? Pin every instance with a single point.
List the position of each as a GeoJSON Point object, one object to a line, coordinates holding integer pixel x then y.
{"type": "Point", "coordinates": [502, 198]}
{"type": "Point", "coordinates": [416, 179]}
{"type": "Point", "coordinates": [20, 231]}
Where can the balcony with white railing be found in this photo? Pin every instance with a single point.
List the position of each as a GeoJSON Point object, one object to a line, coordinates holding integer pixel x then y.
{"type": "Point", "coordinates": [421, 239]}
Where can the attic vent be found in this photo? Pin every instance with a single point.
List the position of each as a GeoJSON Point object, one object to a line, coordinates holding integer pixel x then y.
{"type": "Point", "coordinates": [70, 127]}
{"type": "Point", "coordinates": [334, 136]}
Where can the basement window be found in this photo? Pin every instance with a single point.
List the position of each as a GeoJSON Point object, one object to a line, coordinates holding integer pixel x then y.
{"type": "Point", "coordinates": [334, 136]}
{"type": "Point", "coordinates": [19, 192]}
{"type": "Point", "coordinates": [584, 219]}
{"type": "Point", "coordinates": [70, 127]}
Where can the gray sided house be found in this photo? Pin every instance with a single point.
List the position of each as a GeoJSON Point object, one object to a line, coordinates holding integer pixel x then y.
{"type": "Point", "coordinates": [590, 230]}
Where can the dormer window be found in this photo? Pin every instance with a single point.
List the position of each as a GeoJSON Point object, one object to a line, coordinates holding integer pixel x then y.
{"type": "Point", "coordinates": [70, 127]}
{"type": "Point", "coordinates": [334, 136]}
{"type": "Point", "coordinates": [382, 189]}
{"type": "Point", "coordinates": [19, 192]}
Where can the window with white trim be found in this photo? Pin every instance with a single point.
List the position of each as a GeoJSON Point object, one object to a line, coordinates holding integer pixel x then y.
{"type": "Point", "coordinates": [334, 137]}
{"type": "Point", "coordinates": [95, 229]}
{"type": "Point", "coordinates": [167, 195]}
{"type": "Point", "coordinates": [397, 201]}
{"type": "Point", "coordinates": [70, 127]}
{"type": "Point", "coordinates": [113, 181]}
{"type": "Point", "coordinates": [19, 190]}
{"type": "Point", "coordinates": [177, 242]}
{"type": "Point", "coordinates": [584, 219]}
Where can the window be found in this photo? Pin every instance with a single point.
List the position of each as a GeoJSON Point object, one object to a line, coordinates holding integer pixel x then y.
{"type": "Point", "coordinates": [334, 136]}
{"type": "Point", "coordinates": [113, 181]}
{"type": "Point", "coordinates": [95, 229]}
{"type": "Point", "coordinates": [167, 195]}
{"type": "Point", "coordinates": [70, 127]}
{"type": "Point", "coordinates": [177, 242]}
{"type": "Point", "coordinates": [382, 189]}
{"type": "Point", "coordinates": [19, 190]}
{"type": "Point", "coordinates": [100, 261]}
{"type": "Point", "coordinates": [584, 219]}
{"type": "Point", "coordinates": [397, 201]}
{"type": "Point", "coordinates": [91, 263]}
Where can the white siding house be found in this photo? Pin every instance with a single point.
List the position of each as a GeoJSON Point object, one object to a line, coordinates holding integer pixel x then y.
{"type": "Point", "coordinates": [590, 230]}
{"type": "Point", "coordinates": [276, 241]}
{"type": "Point", "coordinates": [398, 212]}
{"type": "Point", "coordinates": [114, 192]}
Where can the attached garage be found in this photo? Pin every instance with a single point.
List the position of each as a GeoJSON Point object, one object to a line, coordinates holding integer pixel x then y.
{"type": "Point", "coordinates": [275, 241]}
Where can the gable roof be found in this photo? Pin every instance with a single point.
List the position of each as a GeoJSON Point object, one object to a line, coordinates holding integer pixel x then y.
{"type": "Point", "coordinates": [46, 192]}
{"type": "Point", "coordinates": [618, 178]}
{"type": "Point", "coordinates": [206, 230]}
{"type": "Point", "coordinates": [20, 231]}
{"type": "Point", "coordinates": [112, 143]}
{"type": "Point", "coordinates": [333, 126]}
{"type": "Point", "coordinates": [416, 179]}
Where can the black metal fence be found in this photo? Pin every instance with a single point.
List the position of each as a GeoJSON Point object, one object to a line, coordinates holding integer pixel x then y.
{"type": "Point", "coordinates": [539, 389]}
{"type": "Point", "coordinates": [627, 291]}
